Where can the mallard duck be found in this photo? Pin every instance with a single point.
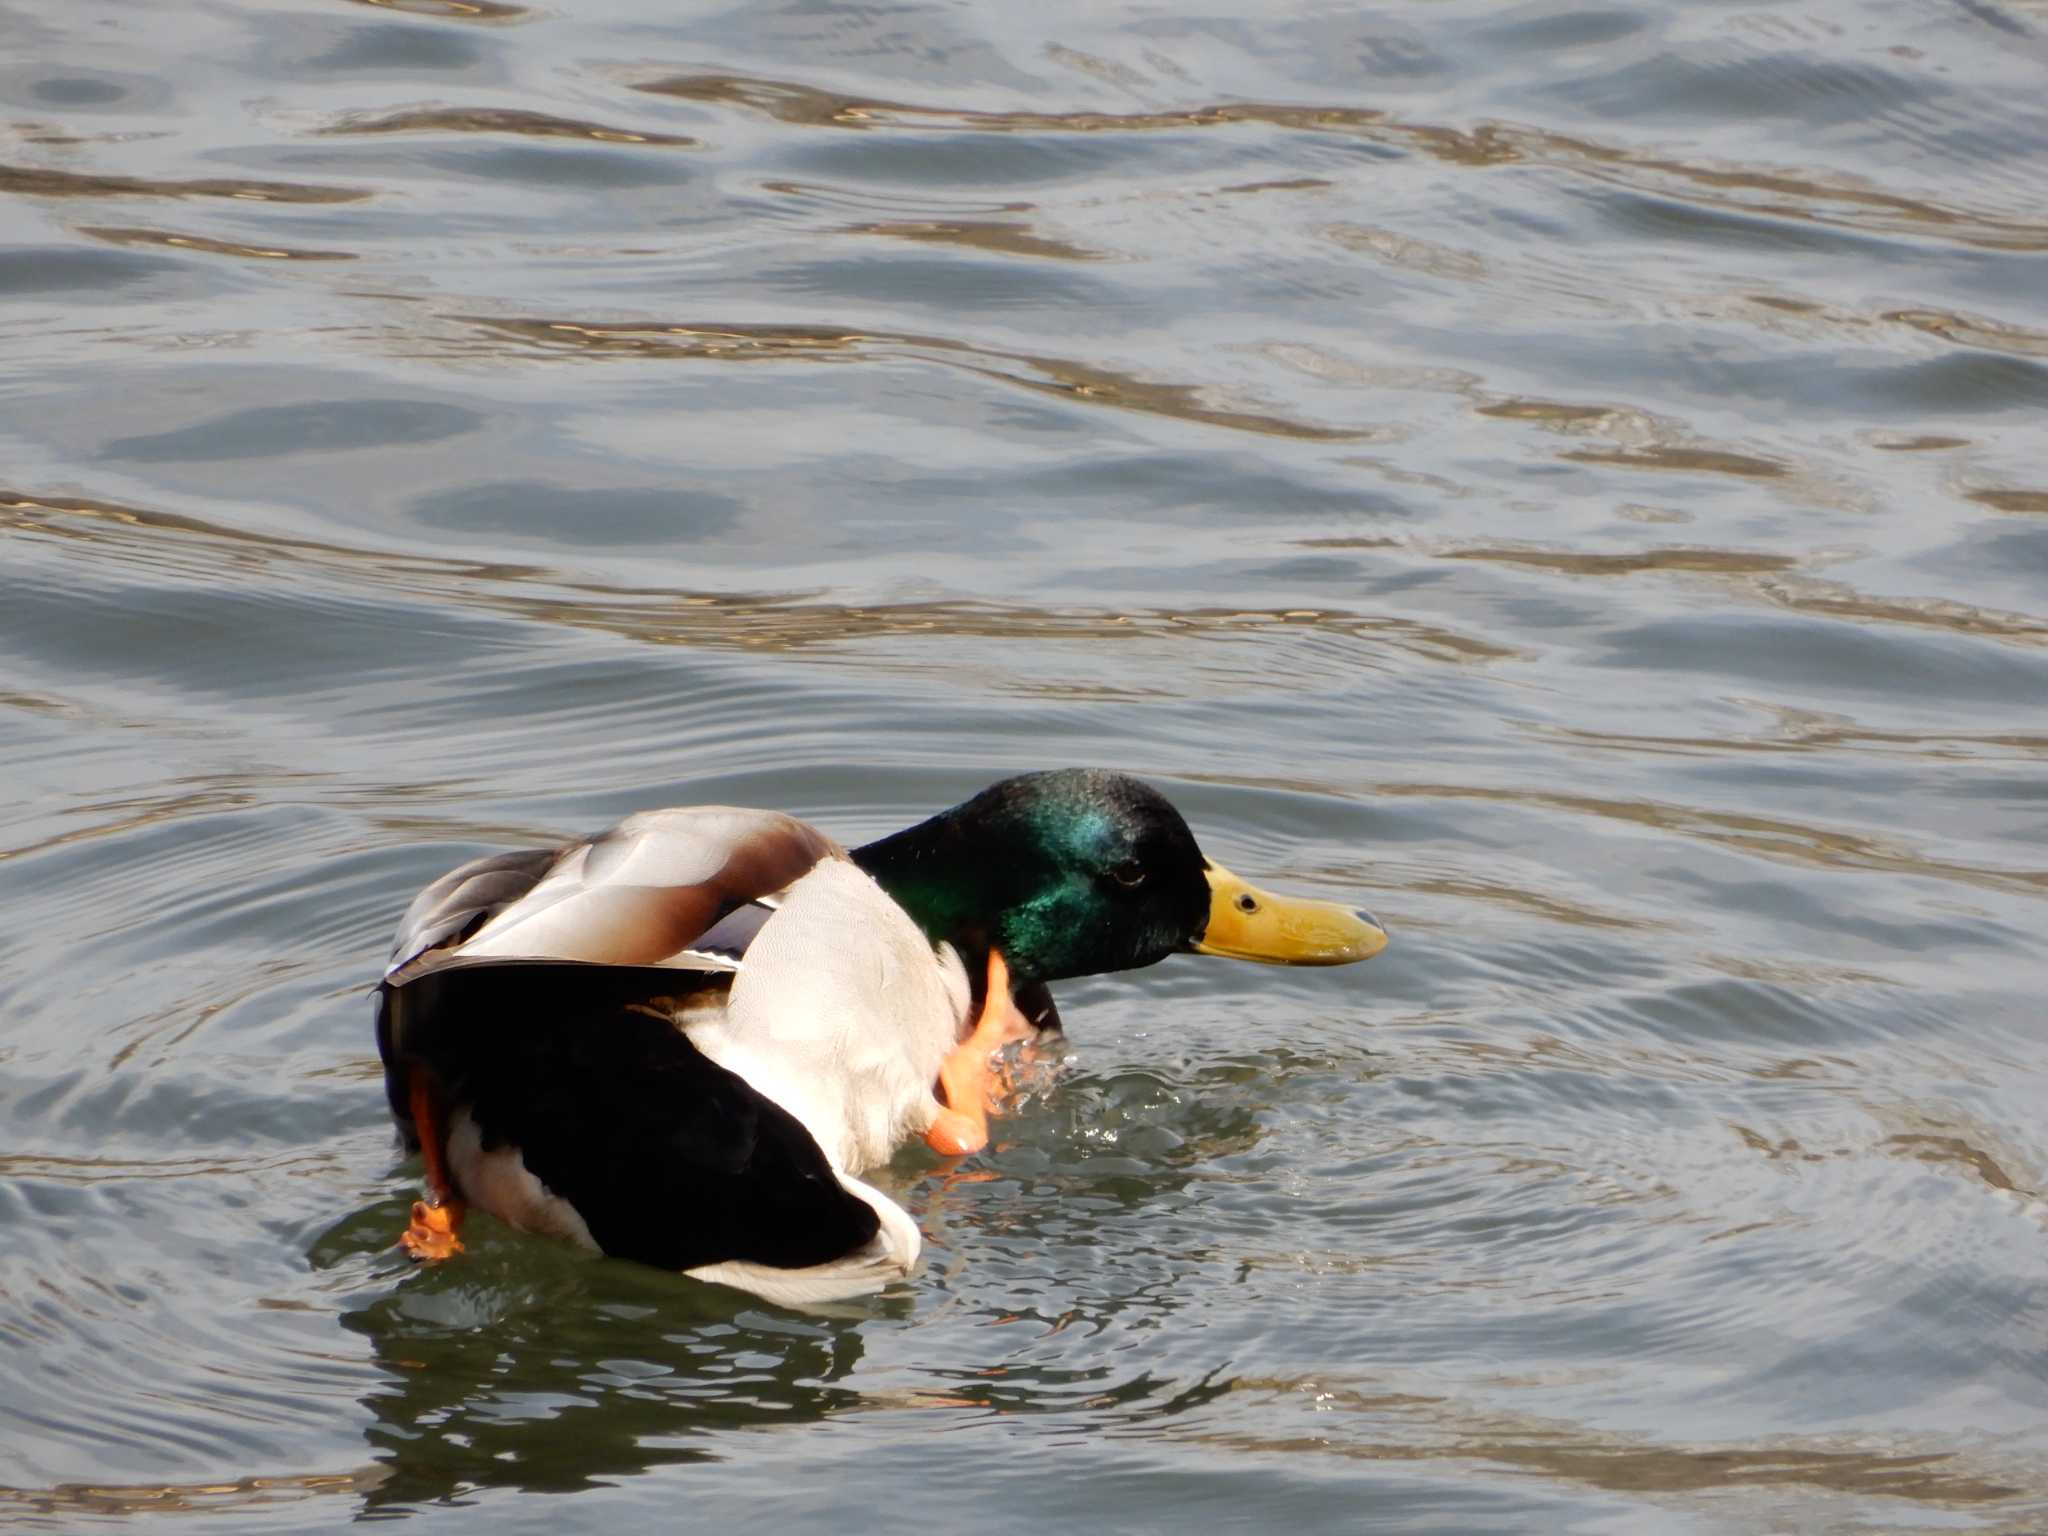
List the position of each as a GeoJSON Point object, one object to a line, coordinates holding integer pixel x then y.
{"type": "Point", "coordinates": [641, 1041]}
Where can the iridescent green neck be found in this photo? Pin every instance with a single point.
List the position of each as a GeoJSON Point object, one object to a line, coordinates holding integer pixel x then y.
{"type": "Point", "coordinates": [1069, 873]}
{"type": "Point", "coordinates": [976, 886]}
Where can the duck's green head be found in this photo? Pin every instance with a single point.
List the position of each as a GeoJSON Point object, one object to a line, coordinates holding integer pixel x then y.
{"type": "Point", "coordinates": [1079, 871]}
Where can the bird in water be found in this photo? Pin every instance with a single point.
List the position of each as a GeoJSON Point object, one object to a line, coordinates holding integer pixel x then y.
{"type": "Point", "coordinates": [683, 1040]}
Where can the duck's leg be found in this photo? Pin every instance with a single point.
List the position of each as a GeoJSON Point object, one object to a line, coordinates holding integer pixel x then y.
{"type": "Point", "coordinates": [431, 1234]}
{"type": "Point", "coordinates": [961, 1125]}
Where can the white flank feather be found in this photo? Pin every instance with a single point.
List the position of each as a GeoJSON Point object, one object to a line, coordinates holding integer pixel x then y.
{"type": "Point", "coordinates": [888, 1257]}
{"type": "Point", "coordinates": [843, 1014]}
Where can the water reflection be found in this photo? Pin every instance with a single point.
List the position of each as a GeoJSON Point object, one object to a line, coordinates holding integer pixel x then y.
{"type": "Point", "coordinates": [1429, 1428]}
{"type": "Point", "coordinates": [1063, 378]}
{"type": "Point", "coordinates": [1747, 191]}
{"type": "Point", "coordinates": [711, 618]}
{"type": "Point", "coordinates": [1574, 470]}
{"type": "Point", "coordinates": [207, 244]}
{"type": "Point", "coordinates": [1766, 836]}
{"type": "Point", "coordinates": [451, 10]}
{"type": "Point", "coordinates": [37, 181]}
{"type": "Point", "coordinates": [537, 125]}
{"type": "Point", "coordinates": [2010, 499]}
{"type": "Point", "coordinates": [580, 1384]}
{"type": "Point", "coordinates": [979, 235]}
{"type": "Point", "coordinates": [242, 1495]}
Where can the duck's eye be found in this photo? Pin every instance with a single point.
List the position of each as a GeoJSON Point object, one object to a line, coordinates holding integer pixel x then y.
{"type": "Point", "coordinates": [1247, 904]}
{"type": "Point", "coordinates": [1130, 872]}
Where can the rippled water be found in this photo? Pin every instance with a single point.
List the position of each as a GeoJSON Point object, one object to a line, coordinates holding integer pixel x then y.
{"type": "Point", "coordinates": [1571, 478]}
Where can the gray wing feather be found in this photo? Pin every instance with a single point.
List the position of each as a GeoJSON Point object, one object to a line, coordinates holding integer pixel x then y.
{"type": "Point", "coordinates": [466, 898]}
{"type": "Point", "coordinates": [638, 894]}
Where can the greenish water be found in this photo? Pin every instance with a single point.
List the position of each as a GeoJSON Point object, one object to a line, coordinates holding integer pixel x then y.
{"type": "Point", "coordinates": [1569, 479]}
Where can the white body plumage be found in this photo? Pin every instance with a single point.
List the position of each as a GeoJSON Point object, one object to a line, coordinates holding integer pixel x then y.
{"type": "Point", "coordinates": [842, 1014]}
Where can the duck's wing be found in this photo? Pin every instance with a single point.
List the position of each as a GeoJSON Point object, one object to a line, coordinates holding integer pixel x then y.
{"type": "Point", "coordinates": [669, 1158]}
{"type": "Point", "coordinates": [660, 888]}
{"type": "Point", "coordinates": [661, 906]}
{"type": "Point", "coordinates": [467, 897]}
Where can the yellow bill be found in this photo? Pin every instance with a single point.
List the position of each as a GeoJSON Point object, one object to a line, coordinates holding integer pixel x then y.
{"type": "Point", "coordinates": [1247, 923]}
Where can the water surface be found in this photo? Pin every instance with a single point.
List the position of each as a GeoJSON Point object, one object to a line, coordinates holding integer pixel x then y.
{"type": "Point", "coordinates": [1570, 478]}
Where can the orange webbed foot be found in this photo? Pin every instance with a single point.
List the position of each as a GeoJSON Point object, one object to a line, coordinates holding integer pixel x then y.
{"type": "Point", "coordinates": [431, 1235]}
{"type": "Point", "coordinates": [966, 1087]}
{"type": "Point", "coordinates": [954, 1134]}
